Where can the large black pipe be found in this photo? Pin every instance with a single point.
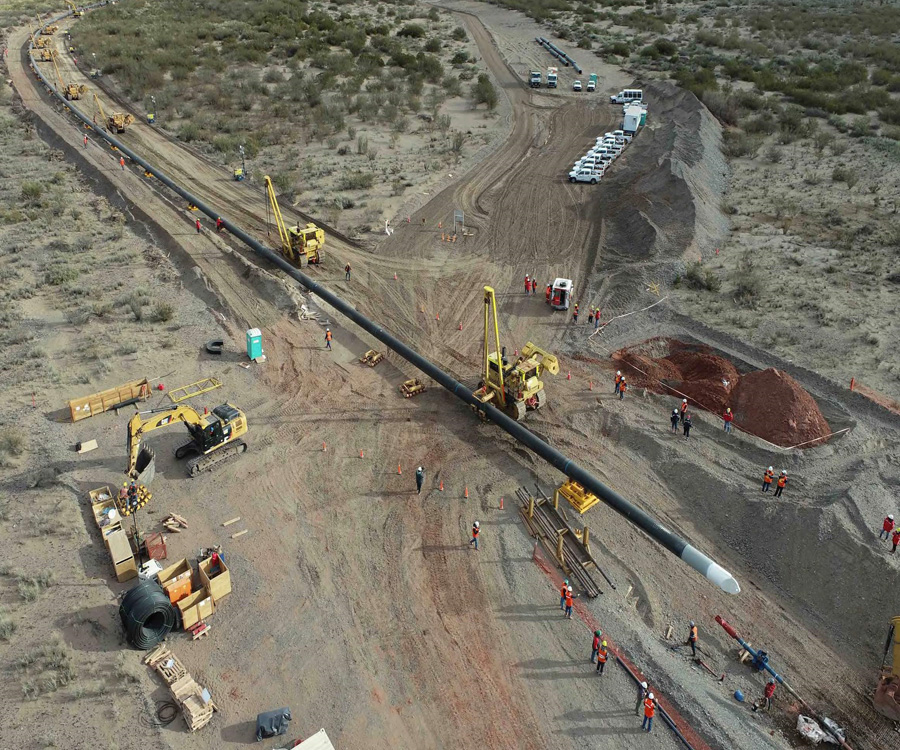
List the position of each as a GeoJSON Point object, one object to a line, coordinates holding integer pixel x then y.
{"type": "Point", "coordinates": [692, 556]}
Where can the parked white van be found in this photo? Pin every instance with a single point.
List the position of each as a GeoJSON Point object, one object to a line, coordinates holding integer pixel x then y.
{"type": "Point", "coordinates": [627, 96]}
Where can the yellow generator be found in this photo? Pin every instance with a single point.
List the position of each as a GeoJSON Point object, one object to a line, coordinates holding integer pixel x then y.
{"type": "Point", "coordinates": [513, 387]}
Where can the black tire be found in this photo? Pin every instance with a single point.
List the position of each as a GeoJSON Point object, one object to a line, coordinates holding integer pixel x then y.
{"type": "Point", "coordinates": [571, 179]}
{"type": "Point", "coordinates": [593, 180]}
{"type": "Point", "coordinates": [147, 615]}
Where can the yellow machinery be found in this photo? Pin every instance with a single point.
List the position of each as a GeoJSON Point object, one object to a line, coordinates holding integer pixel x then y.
{"type": "Point", "coordinates": [49, 30]}
{"type": "Point", "coordinates": [71, 90]}
{"type": "Point", "coordinates": [513, 387]}
{"type": "Point", "coordinates": [296, 242]}
{"type": "Point", "coordinates": [117, 121]}
{"type": "Point", "coordinates": [887, 692]}
{"type": "Point", "coordinates": [76, 11]}
{"type": "Point", "coordinates": [42, 42]}
{"type": "Point", "coordinates": [215, 437]}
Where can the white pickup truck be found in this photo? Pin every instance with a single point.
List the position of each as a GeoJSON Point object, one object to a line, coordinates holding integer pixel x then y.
{"type": "Point", "coordinates": [591, 175]}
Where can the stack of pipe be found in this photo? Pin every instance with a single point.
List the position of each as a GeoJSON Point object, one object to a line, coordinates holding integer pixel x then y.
{"type": "Point", "coordinates": [558, 53]}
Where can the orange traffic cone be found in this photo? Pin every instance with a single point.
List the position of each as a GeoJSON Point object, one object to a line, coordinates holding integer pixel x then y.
{"type": "Point", "coordinates": [466, 494]}
{"type": "Point", "coordinates": [441, 486]}
{"type": "Point", "coordinates": [437, 316]}
{"type": "Point", "coordinates": [590, 385]}
{"type": "Point", "coordinates": [399, 470]}
{"type": "Point", "coordinates": [501, 503]}
{"type": "Point", "coordinates": [360, 453]}
{"type": "Point", "coordinates": [324, 447]}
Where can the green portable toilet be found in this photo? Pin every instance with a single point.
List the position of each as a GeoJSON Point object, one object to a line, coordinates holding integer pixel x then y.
{"type": "Point", "coordinates": [643, 118]}
{"type": "Point", "coordinates": [254, 343]}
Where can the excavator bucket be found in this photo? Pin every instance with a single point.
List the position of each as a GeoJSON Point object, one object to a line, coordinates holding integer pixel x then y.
{"type": "Point", "coordinates": [887, 697]}
{"type": "Point", "coordinates": [145, 468]}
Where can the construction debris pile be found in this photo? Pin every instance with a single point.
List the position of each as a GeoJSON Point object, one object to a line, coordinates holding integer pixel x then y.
{"type": "Point", "coordinates": [767, 403]}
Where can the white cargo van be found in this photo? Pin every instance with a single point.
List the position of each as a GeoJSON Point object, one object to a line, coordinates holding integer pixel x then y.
{"type": "Point", "coordinates": [627, 96]}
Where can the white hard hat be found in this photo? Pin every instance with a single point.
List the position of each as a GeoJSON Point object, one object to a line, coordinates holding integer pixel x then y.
{"type": "Point", "coordinates": [477, 524]}
{"type": "Point", "coordinates": [784, 472]}
{"type": "Point", "coordinates": [650, 696]}
{"type": "Point", "coordinates": [618, 372]}
{"type": "Point", "coordinates": [692, 623]}
{"type": "Point", "coordinates": [644, 685]}
{"type": "Point", "coordinates": [569, 588]}
{"type": "Point", "coordinates": [674, 411]}
{"type": "Point", "coordinates": [327, 329]}
{"type": "Point", "coordinates": [684, 401]}
{"type": "Point", "coordinates": [419, 469]}
{"type": "Point", "coordinates": [771, 469]}
{"type": "Point", "coordinates": [891, 516]}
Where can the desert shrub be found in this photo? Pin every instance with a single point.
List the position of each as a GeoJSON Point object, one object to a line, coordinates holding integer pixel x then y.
{"type": "Point", "coordinates": [665, 47]}
{"type": "Point", "coordinates": [412, 30]}
{"type": "Point", "coordinates": [723, 107]}
{"type": "Point", "coordinates": [433, 45]}
{"type": "Point", "coordinates": [737, 143]}
{"type": "Point", "coordinates": [32, 191]}
{"type": "Point", "coordinates": [459, 58]}
{"type": "Point", "coordinates": [697, 277]}
{"type": "Point", "coordinates": [12, 442]}
{"type": "Point", "coordinates": [459, 34]}
{"type": "Point", "coordinates": [163, 311]}
{"type": "Point", "coordinates": [356, 181]}
{"type": "Point", "coordinates": [483, 92]}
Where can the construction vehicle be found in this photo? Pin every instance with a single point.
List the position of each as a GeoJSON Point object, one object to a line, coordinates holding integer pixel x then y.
{"type": "Point", "coordinates": [296, 242]}
{"type": "Point", "coordinates": [45, 54]}
{"type": "Point", "coordinates": [552, 76]}
{"type": "Point", "coordinates": [117, 121]}
{"type": "Point", "coordinates": [72, 91]}
{"type": "Point", "coordinates": [42, 42]}
{"type": "Point", "coordinates": [76, 11]}
{"type": "Point", "coordinates": [214, 437]}
{"type": "Point", "coordinates": [513, 387]}
{"type": "Point", "coordinates": [887, 691]}
{"type": "Point", "coordinates": [238, 174]}
{"type": "Point", "coordinates": [592, 82]}
{"type": "Point", "coordinates": [535, 80]}
{"type": "Point", "coordinates": [560, 295]}
{"type": "Point", "coordinates": [49, 30]}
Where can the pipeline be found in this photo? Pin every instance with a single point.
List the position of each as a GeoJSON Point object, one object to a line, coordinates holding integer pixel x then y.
{"type": "Point", "coordinates": [746, 646]}
{"type": "Point", "coordinates": [564, 58]}
{"type": "Point", "coordinates": [675, 544]}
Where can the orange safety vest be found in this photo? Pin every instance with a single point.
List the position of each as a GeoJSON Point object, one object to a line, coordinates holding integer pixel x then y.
{"type": "Point", "coordinates": [564, 590]}
{"type": "Point", "coordinates": [568, 599]}
{"type": "Point", "coordinates": [475, 531]}
{"type": "Point", "coordinates": [601, 655]}
{"type": "Point", "coordinates": [768, 477]}
{"type": "Point", "coordinates": [782, 481]}
{"type": "Point", "coordinates": [618, 378]}
{"type": "Point", "coordinates": [693, 636]}
{"type": "Point", "coordinates": [623, 386]}
{"type": "Point", "coordinates": [328, 335]}
{"type": "Point", "coordinates": [649, 708]}
{"type": "Point", "coordinates": [683, 407]}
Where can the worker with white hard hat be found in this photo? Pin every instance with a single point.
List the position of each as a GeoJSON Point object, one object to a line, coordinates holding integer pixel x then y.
{"type": "Point", "coordinates": [569, 598]}
{"type": "Point", "coordinates": [476, 529]}
{"type": "Point", "coordinates": [887, 527]}
{"type": "Point", "coordinates": [618, 380]}
{"type": "Point", "coordinates": [767, 479]}
{"type": "Point", "coordinates": [674, 420]}
{"type": "Point", "coordinates": [683, 408]}
{"type": "Point", "coordinates": [649, 711]}
{"type": "Point", "coordinates": [780, 484]}
{"type": "Point", "coordinates": [641, 695]}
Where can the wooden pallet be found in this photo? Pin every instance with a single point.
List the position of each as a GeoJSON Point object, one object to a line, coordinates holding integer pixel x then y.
{"type": "Point", "coordinates": [177, 395]}
{"type": "Point", "coordinates": [184, 688]}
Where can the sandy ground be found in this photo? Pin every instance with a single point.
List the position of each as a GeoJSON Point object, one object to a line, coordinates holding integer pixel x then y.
{"type": "Point", "coordinates": [451, 647]}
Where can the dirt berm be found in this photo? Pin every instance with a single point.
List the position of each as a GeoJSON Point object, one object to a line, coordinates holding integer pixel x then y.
{"type": "Point", "coordinates": [662, 208]}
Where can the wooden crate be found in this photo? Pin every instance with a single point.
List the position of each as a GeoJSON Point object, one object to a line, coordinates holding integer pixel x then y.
{"type": "Point", "coordinates": [198, 606]}
{"type": "Point", "coordinates": [101, 494]}
{"type": "Point", "coordinates": [121, 555]}
{"type": "Point", "coordinates": [97, 403]}
{"type": "Point", "coordinates": [219, 585]}
{"type": "Point", "coordinates": [177, 580]}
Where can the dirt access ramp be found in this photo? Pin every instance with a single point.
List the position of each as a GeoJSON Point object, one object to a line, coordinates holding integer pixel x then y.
{"type": "Point", "coordinates": [767, 403]}
{"type": "Point", "coordinates": [662, 209]}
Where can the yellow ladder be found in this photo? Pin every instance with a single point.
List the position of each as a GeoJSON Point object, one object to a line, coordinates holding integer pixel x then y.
{"type": "Point", "coordinates": [193, 389]}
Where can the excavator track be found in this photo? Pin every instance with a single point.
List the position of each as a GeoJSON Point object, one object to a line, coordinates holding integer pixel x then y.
{"type": "Point", "coordinates": [218, 456]}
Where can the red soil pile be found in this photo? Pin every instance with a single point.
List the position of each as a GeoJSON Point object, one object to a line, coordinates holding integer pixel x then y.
{"type": "Point", "coordinates": [771, 404]}
{"type": "Point", "coordinates": [768, 403]}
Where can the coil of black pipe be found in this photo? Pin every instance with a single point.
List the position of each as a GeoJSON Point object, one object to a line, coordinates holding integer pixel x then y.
{"type": "Point", "coordinates": [147, 615]}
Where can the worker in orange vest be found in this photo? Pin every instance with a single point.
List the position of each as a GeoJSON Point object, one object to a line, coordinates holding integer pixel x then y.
{"type": "Point", "coordinates": [602, 656]}
{"type": "Point", "coordinates": [618, 380]}
{"type": "Point", "coordinates": [623, 386]}
{"type": "Point", "coordinates": [649, 711]}
{"type": "Point", "coordinates": [575, 314]}
{"type": "Point", "coordinates": [562, 594]}
{"type": "Point", "coordinates": [569, 602]}
{"type": "Point", "coordinates": [767, 479]}
{"type": "Point", "coordinates": [683, 408]}
{"type": "Point", "coordinates": [476, 529]}
{"type": "Point", "coordinates": [692, 638]}
{"type": "Point", "coordinates": [782, 480]}
{"type": "Point", "coordinates": [549, 289]}
{"type": "Point", "coordinates": [328, 338]}
{"type": "Point", "coordinates": [122, 162]}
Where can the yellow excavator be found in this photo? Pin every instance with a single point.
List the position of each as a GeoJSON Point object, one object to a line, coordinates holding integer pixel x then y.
{"type": "Point", "coordinates": [296, 242]}
{"type": "Point", "coordinates": [117, 121]}
{"type": "Point", "coordinates": [513, 387]}
{"type": "Point", "coordinates": [71, 90]}
{"type": "Point", "coordinates": [214, 437]}
{"type": "Point", "coordinates": [76, 11]}
{"type": "Point", "coordinates": [887, 691]}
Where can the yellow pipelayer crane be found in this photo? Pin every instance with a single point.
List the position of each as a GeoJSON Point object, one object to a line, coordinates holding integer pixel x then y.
{"type": "Point", "coordinates": [887, 691]}
{"type": "Point", "coordinates": [214, 436]}
{"type": "Point", "coordinates": [44, 47]}
{"type": "Point", "coordinates": [296, 242]}
{"type": "Point", "coordinates": [71, 90]}
{"type": "Point", "coordinates": [117, 121]}
{"type": "Point", "coordinates": [515, 388]}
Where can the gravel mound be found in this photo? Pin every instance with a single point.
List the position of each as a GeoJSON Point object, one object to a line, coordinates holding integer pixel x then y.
{"type": "Point", "coordinates": [767, 403]}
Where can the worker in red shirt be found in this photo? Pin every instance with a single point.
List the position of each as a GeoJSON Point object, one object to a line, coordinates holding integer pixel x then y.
{"type": "Point", "coordinates": [895, 540]}
{"type": "Point", "coordinates": [767, 479]}
{"type": "Point", "coordinates": [782, 481]}
{"type": "Point", "coordinates": [766, 703]}
{"type": "Point", "coordinates": [220, 225]}
{"type": "Point", "coordinates": [728, 418]}
{"type": "Point", "coordinates": [602, 656]}
{"type": "Point", "coordinates": [887, 527]}
{"type": "Point", "coordinates": [649, 711]}
{"type": "Point", "coordinates": [527, 284]}
{"type": "Point", "coordinates": [595, 646]}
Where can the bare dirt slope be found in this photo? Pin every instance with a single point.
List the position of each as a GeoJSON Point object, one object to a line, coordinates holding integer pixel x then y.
{"type": "Point", "coordinates": [382, 624]}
